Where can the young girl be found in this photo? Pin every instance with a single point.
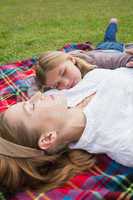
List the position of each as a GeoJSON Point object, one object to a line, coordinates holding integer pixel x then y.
{"type": "Point", "coordinates": [61, 70]}
{"type": "Point", "coordinates": [56, 69]}
{"type": "Point", "coordinates": [35, 135]}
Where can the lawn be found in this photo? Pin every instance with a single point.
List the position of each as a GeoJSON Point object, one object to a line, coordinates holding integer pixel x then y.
{"type": "Point", "coordinates": [29, 27]}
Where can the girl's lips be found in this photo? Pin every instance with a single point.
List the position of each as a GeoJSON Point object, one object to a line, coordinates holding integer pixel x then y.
{"type": "Point", "coordinates": [70, 85]}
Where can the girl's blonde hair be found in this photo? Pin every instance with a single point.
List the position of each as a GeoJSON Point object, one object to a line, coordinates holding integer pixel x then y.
{"type": "Point", "coordinates": [43, 172]}
{"type": "Point", "coordinates": [51, 59]}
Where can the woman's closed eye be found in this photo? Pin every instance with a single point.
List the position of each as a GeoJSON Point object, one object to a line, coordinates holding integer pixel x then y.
{"type": "Point", "coordinates": [29, 107]}
{"type": "Point", "coordinates": [33, 106]}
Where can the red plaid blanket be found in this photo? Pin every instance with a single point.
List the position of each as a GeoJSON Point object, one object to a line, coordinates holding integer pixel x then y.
{"type": "Point", "coordinates": [15, 80]}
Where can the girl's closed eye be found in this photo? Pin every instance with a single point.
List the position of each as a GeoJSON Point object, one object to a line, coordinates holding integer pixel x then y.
{"type": "Point", "coordinates": [62, 73]}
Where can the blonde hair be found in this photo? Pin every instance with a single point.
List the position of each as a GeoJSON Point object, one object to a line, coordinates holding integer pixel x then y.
{"type": "Point", "coordinates": [49, 60]}
{"type": "Point", "coordinates": [42, 172]}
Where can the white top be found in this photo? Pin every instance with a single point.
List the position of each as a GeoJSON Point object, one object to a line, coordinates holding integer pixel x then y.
{"type": "Point", "coordinates": [109, 115]}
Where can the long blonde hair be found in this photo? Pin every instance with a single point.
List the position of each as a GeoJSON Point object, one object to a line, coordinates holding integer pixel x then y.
{"type": "Point", "coordinates": [49, 60]}
{"type": "Point", "coordinates": [42, 172]}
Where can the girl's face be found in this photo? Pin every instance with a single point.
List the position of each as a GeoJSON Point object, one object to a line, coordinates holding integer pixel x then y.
{"type": "Point", "coordinates": [64, 76]}
{"type": "Point", "coordinates": [40, 113]}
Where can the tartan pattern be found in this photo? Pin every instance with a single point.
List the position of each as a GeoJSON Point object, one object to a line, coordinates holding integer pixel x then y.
{"type": "Point", "coordinates": [106, 180]}
{"type": "Point", "coordinates": [87, 46]}
{"type": "Point", "coordinates": [15, 80]}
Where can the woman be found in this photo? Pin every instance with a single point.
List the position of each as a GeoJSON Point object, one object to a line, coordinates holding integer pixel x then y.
{"type": "Point", "coordinates": [96, 117]}
{"type": "Point", "coordinates": [21, 156]}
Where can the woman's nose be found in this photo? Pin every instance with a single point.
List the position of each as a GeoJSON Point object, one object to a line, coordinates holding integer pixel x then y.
{"type": "Point", "coordinates": [36, 96]}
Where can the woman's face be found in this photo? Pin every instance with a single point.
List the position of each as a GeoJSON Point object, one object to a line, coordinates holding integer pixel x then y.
{"type": "Point", "coordinates": [66, 75]}
{"type": "Point", "coordinates": [42, 113]}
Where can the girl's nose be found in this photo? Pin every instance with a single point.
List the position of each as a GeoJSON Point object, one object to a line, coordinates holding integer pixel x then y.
{"type": "Point", "coordinates": [63, 84]}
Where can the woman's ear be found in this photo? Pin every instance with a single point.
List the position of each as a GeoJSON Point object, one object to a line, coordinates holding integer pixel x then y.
{"type": "Point", "coordinates": [46, 140]}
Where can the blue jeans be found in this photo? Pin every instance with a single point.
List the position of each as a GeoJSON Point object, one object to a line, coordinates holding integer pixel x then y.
{"type": "Point", "coordinates": [110, 39]}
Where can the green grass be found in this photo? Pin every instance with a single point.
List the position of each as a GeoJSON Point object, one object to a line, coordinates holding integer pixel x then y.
{"type": "Point", "coordinates": [30, 27]}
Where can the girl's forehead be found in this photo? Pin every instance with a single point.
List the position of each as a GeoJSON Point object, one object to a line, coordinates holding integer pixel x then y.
{"type": "Point", "coordinates": [53, 72]}
{"type": "Point", "coordinates": [57, 64]}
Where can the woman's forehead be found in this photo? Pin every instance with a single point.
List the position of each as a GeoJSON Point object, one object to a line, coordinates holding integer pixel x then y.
{"type": "Point", "coordinates": [14, 113]}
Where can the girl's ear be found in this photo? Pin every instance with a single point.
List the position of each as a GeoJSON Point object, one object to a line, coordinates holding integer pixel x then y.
{"type": "Point", "coordinates": [46, 140]}
{"type": "Point", "coordinates": [73, 59]}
